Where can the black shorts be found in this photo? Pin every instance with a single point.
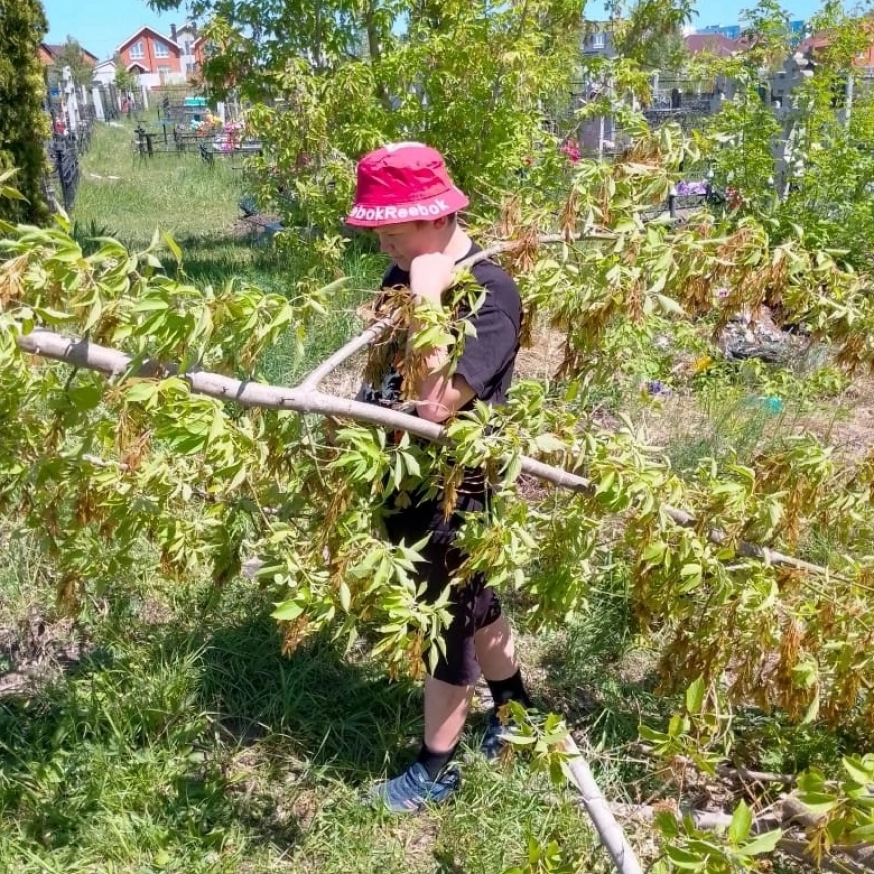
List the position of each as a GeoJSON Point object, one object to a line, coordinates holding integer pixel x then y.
{"type": "Point", "coordinates": [472, 606]}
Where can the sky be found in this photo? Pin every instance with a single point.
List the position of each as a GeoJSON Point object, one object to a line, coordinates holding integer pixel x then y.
{"type": "Point", "coordinates": [101, 25]}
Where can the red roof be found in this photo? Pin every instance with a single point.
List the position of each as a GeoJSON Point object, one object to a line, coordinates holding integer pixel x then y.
{"type": "Point", "coordinates": [817, 41]}
{"type": "Point", "coordinates": [151, 30]}
{"type": "Point", "coordinates": [711, 43]}
{"type": "Point", "coordinates": [57, 49]}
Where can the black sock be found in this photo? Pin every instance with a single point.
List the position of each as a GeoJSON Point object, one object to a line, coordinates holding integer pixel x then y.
{"type": "Point", "coordinates": [433, 762]}
{"type": "Point", "coordinates": [511, 689]}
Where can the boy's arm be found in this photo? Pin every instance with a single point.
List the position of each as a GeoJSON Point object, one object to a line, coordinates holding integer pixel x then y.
{"type": "Point", "coordinates": [440, 395]}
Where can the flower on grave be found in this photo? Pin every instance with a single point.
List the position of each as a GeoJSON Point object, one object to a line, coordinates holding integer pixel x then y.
{"type": "Point", "coordinates": [571, 149]}
{"type": "Point", "coordinates": [735, 198]}
{"type": "Point", "coordinates": [688, 189]}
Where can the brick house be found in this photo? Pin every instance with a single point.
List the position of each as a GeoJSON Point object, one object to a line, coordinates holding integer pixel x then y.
{"type": "Point", "coordinates": [50, 52]}
{"type": "Point", "coordinates": [154, 57]}
{"type": "Point", "coordinates": [822, 40]}
{"type": "Point", "coordinates": [712, 44]}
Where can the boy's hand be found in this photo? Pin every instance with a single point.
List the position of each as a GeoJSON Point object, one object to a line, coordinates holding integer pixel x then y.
{"type": "Point", "coordinates": [431, 275]}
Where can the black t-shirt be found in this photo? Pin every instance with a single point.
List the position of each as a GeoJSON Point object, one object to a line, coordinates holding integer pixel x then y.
{"type": "Point", "coordinates": [488, 358]}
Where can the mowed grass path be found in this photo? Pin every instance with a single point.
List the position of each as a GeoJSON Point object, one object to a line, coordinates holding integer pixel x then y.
{"type": "Point", "coordinates": [128, 196]}
{"type": "Point", "coordinates": [163, 731]}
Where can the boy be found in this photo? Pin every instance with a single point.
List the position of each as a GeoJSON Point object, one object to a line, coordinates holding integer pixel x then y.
{"type": "Point", "coordinates": [404, 194]}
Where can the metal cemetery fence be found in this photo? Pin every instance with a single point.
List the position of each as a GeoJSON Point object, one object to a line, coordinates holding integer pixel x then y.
{"type": "Point", "coordinates": [62, 154]}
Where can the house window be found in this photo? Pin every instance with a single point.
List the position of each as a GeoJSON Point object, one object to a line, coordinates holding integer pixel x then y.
{"type": "Point", "coordinates": [136, 50]}
{"type": "Point", "coordinates": [598, 40]}
{"type": "Point", "coordinates": [165, 71]}
{"type": "Point", "coordinates": [186, 47]}
{"type": "Point", "coordinates": [161, 50]}
{"type": "Point", "coordinates": [191, 68]}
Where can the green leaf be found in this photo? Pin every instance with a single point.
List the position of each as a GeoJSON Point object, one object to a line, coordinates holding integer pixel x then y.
{"type": "Point", "coordinates": [549, 443]}
{"type": "Point", "coordinates": [85, 397]}
{"type": "Point", "coordinates": [764, 843]}
{"type": "Point", "coordinates": [667, 824]}
{"type": "Point", "coordinates": [863, 832]}
{"type": "Point", "coordinates": [741, 823]}
{"type": "Point", "coordinates": [855, 768]}
{"type": "Point", "coordinates": [173, 246]}
{"type": "Point", "coordinates": [140, 392]}
{"type": "Point", "coordinates": [695, 695]}
{"type": "Point", "coordinates": [150, 304]}
{"type": "Point", "coordinates": [287, 611]}
{"type": "Point", "coordinates": [684, 859]}
{"type": "Point", "coordinates": [53, 317]}
{"type": "Point", "coordinates": [11, 193]}
{"type": "Point", "coordinates": [652, 735]}
{"type": "Point", "coordinates": [653, 551]}
{"type": "Point", "coordinates": [818, 803]}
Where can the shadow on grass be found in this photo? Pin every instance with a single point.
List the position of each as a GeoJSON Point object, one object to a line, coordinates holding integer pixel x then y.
{"type": "Point", "coordinates": [148, 737]}
{"type": "Point", "coordinates": [338, 715]}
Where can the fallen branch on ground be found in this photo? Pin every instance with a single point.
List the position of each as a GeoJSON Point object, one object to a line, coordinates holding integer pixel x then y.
{"type": "Point", "coordinates": [855, 859]}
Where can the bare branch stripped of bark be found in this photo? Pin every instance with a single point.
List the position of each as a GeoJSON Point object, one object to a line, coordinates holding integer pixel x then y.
{"type": "Point", "coordinates": [744, 776]}
{"type": "Point", "coordinates": [706, 820]}
{"type": "Point", "coordinates": [329, 365]}
{"type": "Point", "coordinates": [610, 832]}
{"type": "Point", "coordinates": [83, 353]}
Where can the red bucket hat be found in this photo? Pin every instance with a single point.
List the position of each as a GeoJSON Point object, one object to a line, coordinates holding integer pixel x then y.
{"type": "Point", "coordinates": [403, 182]}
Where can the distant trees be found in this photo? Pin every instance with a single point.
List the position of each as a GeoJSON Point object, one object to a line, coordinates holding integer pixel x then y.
{"type": "Point", "coordinates": [72, 56]}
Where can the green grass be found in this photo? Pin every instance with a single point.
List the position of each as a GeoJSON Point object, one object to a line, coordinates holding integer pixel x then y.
{"type": "Point", "coordinates": [189, 743]}
{"type": "Point", "coordinates": [129, 196]}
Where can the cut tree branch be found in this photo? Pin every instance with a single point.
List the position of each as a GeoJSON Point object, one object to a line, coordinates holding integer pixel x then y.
{"type": "Point", "coordinates": [83, 353]}
{"type": "Point", "coordinates": [610, 832]}
{"type": "Point", "coordinates": [307, 399]}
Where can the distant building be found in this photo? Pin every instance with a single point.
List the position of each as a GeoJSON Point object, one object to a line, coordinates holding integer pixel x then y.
{"type": "Point", "coordinates": [187, 38]}
{"type": "Point", "coordinates": [711, 44]}
{"type": "Point", "coordinates": [598, 39]}
{"type": "Point", "coordinates": [816, 42]}
{"type": "Point", "coordinates": [49, 53]}
{"type": "Point", "coordinates": [730, 31]}
{"type": "Point", "coordinates": [797, 29]}
{"type": "Point", "coordinates": [104, 72]}
{"type": "Point", "coordinates": [155, 58]}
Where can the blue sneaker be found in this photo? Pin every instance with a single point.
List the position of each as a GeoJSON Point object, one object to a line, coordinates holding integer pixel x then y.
{"type": "Point", "coordinates": [494, 741]}
{"type": "Point", "coordinates": [412, 790]}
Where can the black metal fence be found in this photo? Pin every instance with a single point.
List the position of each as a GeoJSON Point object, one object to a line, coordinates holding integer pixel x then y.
{"type": "Point", "coordinates": [62, 155]}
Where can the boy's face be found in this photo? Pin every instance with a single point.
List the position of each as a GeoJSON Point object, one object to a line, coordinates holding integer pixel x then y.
{"type": "Point", "coordinates": [405, 241]}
